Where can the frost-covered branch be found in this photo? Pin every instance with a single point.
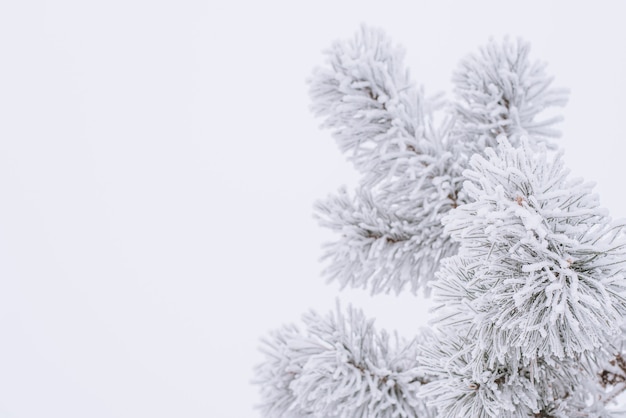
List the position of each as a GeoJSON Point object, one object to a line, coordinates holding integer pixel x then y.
{"type": "Point", "coordinates": [412, 170]}
{"type": "Point", "coordinates": [390, 231]}
{"type": "Point", "coordinates": [367, 97]}
{"type": "Point", "coordinates": [465, 382]}
{"type": "Point", "coordinates": [535, 293]}
{"type": "Point", "coordinates": [527, 269]}
{"type": "Point", "coordinates": [540, 265]}
{"type": "Point", "coordinates": [382, 245]}
{"type": "Point", "coordinates": [340, 367]}
{"type": "Point", "coordinates": [500, 91]}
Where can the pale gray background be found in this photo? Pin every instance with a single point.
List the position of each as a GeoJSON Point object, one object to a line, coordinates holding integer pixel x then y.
{"type": "Point", "coordinates": [158, 164]}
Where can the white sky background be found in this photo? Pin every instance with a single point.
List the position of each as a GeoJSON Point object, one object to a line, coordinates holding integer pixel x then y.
{"type": "Point", "coordinates": [158, 164]}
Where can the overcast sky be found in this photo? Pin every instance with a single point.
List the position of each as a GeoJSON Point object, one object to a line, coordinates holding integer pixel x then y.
{"type": "Point", "coordinates": [158, 164]}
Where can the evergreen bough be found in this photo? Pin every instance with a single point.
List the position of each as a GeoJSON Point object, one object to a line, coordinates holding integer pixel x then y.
{"type": "Point", "coordinates": [468, 199]}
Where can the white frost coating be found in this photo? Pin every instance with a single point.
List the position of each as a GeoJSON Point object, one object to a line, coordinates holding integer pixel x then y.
{"type": "Point", "coordinates": [382, 246]}
{"type": "Point", "coordinates": [412, 172]}
{"type": "Point", "coordinates": [529, 270]}
{"type": "Point", "coordinates": [540, 297]}
{"type": "Point", "coordinates": [535, 266]}
{"type": "Point", "coordinates": [390, 230]}
{"type": "Point", "coordinates": [368, 98]}
{"type": "Point", "coordinates": [340, 367]}
{"type": "Point", "coordinates": [499, 91]}
{"type": "Point", "coordinates": [464, 384]}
